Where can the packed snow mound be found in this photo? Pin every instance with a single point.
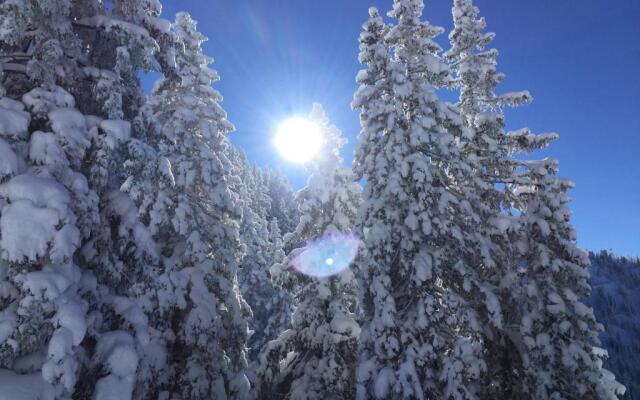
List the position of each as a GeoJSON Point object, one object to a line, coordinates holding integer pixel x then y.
{"type": "Point", "coordinates": [51, 281]}
{"type": "Point", "coordinates": [41, 101]}
{"type": "Point", "coordinates": [70, 128]}
{"type": "Point", "coordinates": [116, 132]}
{"type": "Point", "coordinates": [8, 161]}
{"type": "Point", "coordinates": [37, 219]}
{"type": "Point", "coordinates": [71, 316]}
{"type": "Point", "coordinates": [116, 350]}
{"type": "Point", "coordinates": [42, 192]}
{"type": "Point", "coordinates": [10, 104]}
{"type": "Point", "coordinates": [14, 122]}
{"type": "Point", "coordinates": [45, 150]}
{"type": "Point", "coordinates": [21, 387]}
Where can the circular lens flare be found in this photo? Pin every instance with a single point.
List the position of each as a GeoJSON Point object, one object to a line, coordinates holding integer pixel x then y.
{"type": "Point", "coordinates": [328, 255]}
{"type": "Point", "coordinates": [298, 140]}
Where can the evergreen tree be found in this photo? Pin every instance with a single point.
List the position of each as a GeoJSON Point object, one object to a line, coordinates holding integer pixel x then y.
{"type": "Point", "coordinates": [491, 152]}
{"type": "Point", "coordinates": [283, 206]}
{"type": "Point", "coordinates": [270, 307]}
{"type": "Point", "coordinates": [373, 98]}
{"type": "Point", "coordinates": [315, 359]}
{"type": "Point", "coordinates": [420, 336]}
{"type": "Point", "coordinates": [59, 58]}
{"type": "Point", "coordinates": [195, 310]}
{"type": "Point", "coordinates": [497, 178]}
{"type": "Point", "coordinates": [44, 203]}
{"type": "Point", "coordinates": [563, 358]}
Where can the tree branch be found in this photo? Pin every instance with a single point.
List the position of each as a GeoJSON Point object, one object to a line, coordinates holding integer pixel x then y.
{"type": "Point", "coordinates": [13, 67]}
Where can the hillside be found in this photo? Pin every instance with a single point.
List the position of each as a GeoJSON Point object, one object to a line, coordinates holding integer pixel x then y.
{"type": "Point", "coordinates": [616, 302]}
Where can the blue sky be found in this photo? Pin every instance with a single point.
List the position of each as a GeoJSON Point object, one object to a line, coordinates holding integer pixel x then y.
{"type": "Point", "coordinates": [580, 60]}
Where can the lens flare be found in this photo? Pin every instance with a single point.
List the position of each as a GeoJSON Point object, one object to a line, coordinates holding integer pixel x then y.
{"type": "Point", "coordinates": [327, 256]}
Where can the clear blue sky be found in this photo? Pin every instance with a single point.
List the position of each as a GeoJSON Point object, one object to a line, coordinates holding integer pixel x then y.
{"type": "Point", "coordinates": [579, 59]}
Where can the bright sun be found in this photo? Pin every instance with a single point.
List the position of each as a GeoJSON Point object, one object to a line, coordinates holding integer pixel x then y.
{"type": "Point", "coordinates": [298, 139]}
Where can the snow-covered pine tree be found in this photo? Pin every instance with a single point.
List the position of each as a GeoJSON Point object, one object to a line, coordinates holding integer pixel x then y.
{"type": "Point", "coordinates": [262, 240]}
{"type": "Point", "coordinates": [491, 152]}
{"type": "Point", "coordinates": [55, 57]}
{"type": "Point", "coordinates": [44, 203]}
{"type": "Point", "coordinates": [373, 99]}
{"type": "Point", "coordinates": [275, 252]}
{"type": "Point", "coordinates": [283, 206]}
{"type": "Point", "coordinates": [497, 174]}
{"type": "Point", "coordinates": [279, 307]}
{"type": "Point", "coordinates": [92, 49]}
{"type": "Point", "coordinates": [419, 336]}
{"type": "Point", "coordinates": [563, 358]}
{"type": "Point", "coordinates": [261, 203]}
{"type": "Point", "coordinates": [315, 359]}
{"type": "Point", "coordinates": [271, 307]}
{"type": "Point", "coordinates": [193, 303]}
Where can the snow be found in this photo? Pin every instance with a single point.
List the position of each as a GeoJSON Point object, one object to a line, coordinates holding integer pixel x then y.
{"type": "Point", "coordinates": [10, 104]}
{"type": "Point", "coordinates": [70, 127]}
{"type": "Point", "coordinates": [51, 282]}
{"type": "Point", "coordinates": [345, 325]}
{"type": "Point", "coordinates": [117, 131]}
{"type": "Point", "coordinates": [8, 161]}
{"type": "Point", "coordinates": [60, 344]}
{"type": "Point", "coordinates": [39, 215]}
{"type": "Point", "coordinates": [114, 388]}
{"type": "Point", "coordinates": [557, 305]}
{"type": "Point", "coordinates": [164, 166]}
{"type": "Point", "coordinates": [22, 387]}
{"type": "Point", "coordinates": [40, 191]}
{"type": "Point", "coordinates": [108, 23]}
{"type": "Point", "coordinates": [22, 223]}
{"type": "Point", "coordinates": [160, 24]}
{"type": "Point", "coordinates": [502, 223]}
{"type": "Point", "coordinates": [411, 221]}
{"type": "Point", "coordinates": [117, 350]}
{"type": "Point", "coordinates": [40, 101]}
{"type": "Point", "coordinates": [423, 265]}
{"type": "Point", "coordinates": [7, 322]}
{"type": "Point", "coordinates": [122, 361]}
{"type": "Point", "coordinates": [45, 150]}
{"type": "Point", "coordinates": [493, 306]}
{"type": "Point", "coordinates": [383, 383]}
{"type": "Point", "coordinates": [71, 315]}
{"type": "Point", "coordinates": [14, 123]}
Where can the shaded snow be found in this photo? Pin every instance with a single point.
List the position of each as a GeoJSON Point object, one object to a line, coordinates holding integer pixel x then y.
{"type": "Point", "coordinates": [38, 215]}
{"type": "Point", "coordinates": [8, 160]}
{"type": "Point", "coordinates": [21, 387]}
{"type": "Point", "coordinates": [13, 122]}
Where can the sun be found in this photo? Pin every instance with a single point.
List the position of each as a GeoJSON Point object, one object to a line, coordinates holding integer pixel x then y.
{"type": "Point", "coordinates": [298, 140]}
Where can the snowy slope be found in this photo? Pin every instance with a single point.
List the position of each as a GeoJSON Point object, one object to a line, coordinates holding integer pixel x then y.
{"type": "Point", "coordinates": [616, 301]}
